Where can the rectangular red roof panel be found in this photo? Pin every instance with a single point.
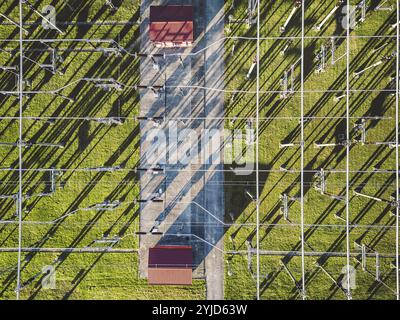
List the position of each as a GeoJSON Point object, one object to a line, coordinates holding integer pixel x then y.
{"type": "Point", "coordinates": [170, 276]}
{"type": "Point", "coordinates": [174, 32]}
{"type": "Point", "coordinates": [171, 24]}
{"type": "Point", "coordinates": [171, 257]}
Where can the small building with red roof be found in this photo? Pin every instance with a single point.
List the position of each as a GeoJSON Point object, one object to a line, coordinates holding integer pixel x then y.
{"type": "Point", "coordinates": [170, 265]}
{"type": "Point", "coordinates": [172, 25]}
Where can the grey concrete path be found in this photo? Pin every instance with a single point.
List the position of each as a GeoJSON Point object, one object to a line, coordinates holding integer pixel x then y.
{"type": "Point", "coordinates": [179, 216]}
{"type": "Point", "coordinates": [214, 192]}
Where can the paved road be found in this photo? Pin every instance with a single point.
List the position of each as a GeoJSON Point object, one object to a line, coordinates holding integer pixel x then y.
{"type": "Point", "coordinates": [214, 192]}
{"type": "Point", "coordinates": [178, 214]}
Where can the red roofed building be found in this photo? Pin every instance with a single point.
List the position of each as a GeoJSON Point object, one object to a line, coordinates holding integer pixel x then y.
{"type": "Point", "coordinates": [170, 265]}
{"type": "Point", "coordinates": [171, 26]}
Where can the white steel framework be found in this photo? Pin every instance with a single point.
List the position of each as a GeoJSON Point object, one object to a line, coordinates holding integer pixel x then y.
{"type": "Point", "coordinates": [21, 105]}
{"type": "Point", "coordinates": [303, 280]}
{"type": "Point", "coordinates": [115, 84]}
{"type": "Point", "coordinates": [347, 196]}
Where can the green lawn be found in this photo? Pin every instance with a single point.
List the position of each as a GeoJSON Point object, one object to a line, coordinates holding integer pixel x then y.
{"type": "Point", "coordinates": [318, 209]}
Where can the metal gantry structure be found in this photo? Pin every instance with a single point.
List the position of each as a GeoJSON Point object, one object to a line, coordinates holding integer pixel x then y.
{"type": "Point", "coordinates": [20, 156]}
{"type": "Point", "coordinates": [112, 84]}
{"type": "Point", "coordinates": [347, 196]}
{"type": "Point", "coordinates": [302, 143]}
{"type": "Point", "coordinates": [257, 150]}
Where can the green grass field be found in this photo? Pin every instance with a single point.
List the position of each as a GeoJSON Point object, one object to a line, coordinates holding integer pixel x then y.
{"type": "Point", "coordinates": [276, 126]}
{"type": "Point", "coordinates": [89, 144]}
